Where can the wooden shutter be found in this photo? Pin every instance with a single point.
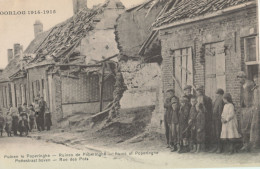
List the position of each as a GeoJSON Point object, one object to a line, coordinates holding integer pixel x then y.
{"type": "Point", "coordinates": [178, 72]}
{"type": "Point", "coordinates": [215, 68]}
{"type": "Point", "coordinates": [220, 66]}
{"type": "Point", "coordinates": [184, 68]}
{"type": "Point", "coordinates": [189, 67]}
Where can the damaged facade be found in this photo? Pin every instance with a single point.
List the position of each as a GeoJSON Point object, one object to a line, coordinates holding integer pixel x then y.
{"type": "Point", "coordinates": [72, 65]}
{"type": "Point", "coordinates": [207, 43]}
{"type": "Point", "coordinates": [142, 78]}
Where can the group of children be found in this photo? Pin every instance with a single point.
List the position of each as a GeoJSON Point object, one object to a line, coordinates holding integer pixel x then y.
{"type": "Point", "coordinates": [186, 122]}
{"type": "Point", "coordinates": [23, 119]}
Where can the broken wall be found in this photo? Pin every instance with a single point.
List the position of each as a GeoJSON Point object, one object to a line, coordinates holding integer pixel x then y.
{"type": "Point", "coordinates": [100, 43]}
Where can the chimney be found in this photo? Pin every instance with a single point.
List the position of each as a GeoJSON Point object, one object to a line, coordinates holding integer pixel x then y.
{"type": "Point", "coordinates": [38, 28]}
{"type": "Point", "coordinates": [17, 49]}
{"type": "Point", "coordinates": [10, 54]}
{"type": "Point", "coordinates": [78, 5]}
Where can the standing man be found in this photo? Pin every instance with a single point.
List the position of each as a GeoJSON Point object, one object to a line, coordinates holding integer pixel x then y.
{"type": "Point", "coordinates": [207, 104]}
{"type": "Point", "coordinates": [247, 109]}
{"type": "Point", "coordinates": [255, 131]}
{"type": "Point", "coordinates": [42, 106]}
{"type": "Point", "coordinates": [187, 92]}
{"type": "Point", "coordinates": [218, 106]}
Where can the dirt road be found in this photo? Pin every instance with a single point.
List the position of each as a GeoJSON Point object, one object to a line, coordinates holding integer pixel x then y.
{"type": "Point", "coordinates": [41, 154]}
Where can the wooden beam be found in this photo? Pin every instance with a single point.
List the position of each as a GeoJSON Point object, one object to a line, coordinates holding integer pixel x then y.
{"type": "Point", "coordinates": [101, 87]}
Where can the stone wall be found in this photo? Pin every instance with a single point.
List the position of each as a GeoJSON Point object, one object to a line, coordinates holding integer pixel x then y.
{"type": "Point", "coordinates": [142, 81]}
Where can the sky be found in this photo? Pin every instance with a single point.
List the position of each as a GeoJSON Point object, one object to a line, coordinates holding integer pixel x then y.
{"type": "Point", "coordinates": [19, 28]}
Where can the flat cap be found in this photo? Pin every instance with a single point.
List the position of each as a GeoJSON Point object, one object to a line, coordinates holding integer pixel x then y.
{"type": "Point", "coordinates": [220, 91]}
{"type": "Point", "coordinates": [241, 74]}
{"type": "Point", "coordinates": [187, 87]}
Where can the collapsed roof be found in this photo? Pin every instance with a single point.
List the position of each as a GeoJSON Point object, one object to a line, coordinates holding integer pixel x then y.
{"type": "Point", "coordinates": [192, 8]}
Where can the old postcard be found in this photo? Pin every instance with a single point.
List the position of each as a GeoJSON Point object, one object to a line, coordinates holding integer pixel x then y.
{"type": "Point", "coordinates": [136, 84]}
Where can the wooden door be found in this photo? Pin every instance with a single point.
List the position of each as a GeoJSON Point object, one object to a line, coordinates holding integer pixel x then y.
{"type": "Point", "coordinates": [183, 69]}
{"type": "Point", "coordinates": [214, 68]}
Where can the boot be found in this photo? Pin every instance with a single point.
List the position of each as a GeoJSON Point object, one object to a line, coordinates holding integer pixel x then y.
{"type": "Point", "coordinates": [185, 149]}
{"type": "Point", "coordinates": [198, 148]}
{"type": "Point", "coordinates": [219, 149]}
{"type": "Point", "coordinates": [194, 148]}
{"type": "Point", "coordinates": [231, 146]}
{"type": "Point", "coordinates": [214, 149]}
{"type": "Point", "coordinates": [178, 148]}
{"type": "Point", "coordinates": [174, 148]}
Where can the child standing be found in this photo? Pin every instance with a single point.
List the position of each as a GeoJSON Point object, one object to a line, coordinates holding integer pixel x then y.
{"type": "Point", "coordinates": [168, 111]}
{"type": "Point", "coordinates": [200, 127]}
{"type": "Point", "coordinates": [23, 125]}
{"type": "Point", "coordinates": [229, 122]}
{"type": "Point", "coordinates": [174, 125]}
{"type": "Point", "coordinates": [8, 124]}
{"type": "Point", "coordinates": [183, 124]}
{"type": "Point", "coordinates": [192, 124]}
{"type": "Point", "coordinates": [31, 117]}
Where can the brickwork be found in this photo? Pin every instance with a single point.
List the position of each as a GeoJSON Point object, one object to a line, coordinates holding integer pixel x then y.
{"type": "Point", "coordinates": [229, 28]}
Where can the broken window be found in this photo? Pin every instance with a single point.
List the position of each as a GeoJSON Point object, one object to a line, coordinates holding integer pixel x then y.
{"type": "Point", "coordinates": [183, 69]}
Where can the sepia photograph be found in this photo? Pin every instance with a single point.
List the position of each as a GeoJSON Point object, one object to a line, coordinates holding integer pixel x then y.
{"type": "Point", "coordinates": [129, 84]}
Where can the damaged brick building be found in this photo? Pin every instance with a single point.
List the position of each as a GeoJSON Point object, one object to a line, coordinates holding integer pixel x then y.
{"type": "Point", "coordinates": [72, 65]}
{"type": "Point", "coordinates": [207, 43]}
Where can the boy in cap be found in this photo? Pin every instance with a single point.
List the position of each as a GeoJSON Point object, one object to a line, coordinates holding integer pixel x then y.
{"type": "Point", "coordinates": [192, 124]}
{"type": "Point", "coordinates": [8, 124]}
{"type": "Point", "coordinates": [168, 109]}
{"type": "Point", "coordinates": [174, 125]}
{"type": "Point", "coordinates": [183, 124]}
{"type": "Point", "coordinates": [218, 106]}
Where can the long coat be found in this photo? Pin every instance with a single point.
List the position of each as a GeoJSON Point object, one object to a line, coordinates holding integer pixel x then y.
{"type": "Point", "coordinates": [183, 120]}
{"type": "Point", "coordinates": [218, 106]}
{"type": "Point", "coordinates": [200, 127]}
{"type": "Point", "coordinates": [192, 118]}
{"type": "Point", "coordinates": [207, 103]}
